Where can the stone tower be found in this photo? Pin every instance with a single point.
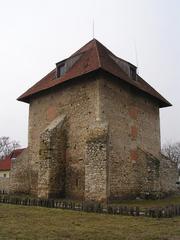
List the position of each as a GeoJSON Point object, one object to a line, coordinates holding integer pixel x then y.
{"type": "Point", "coordinates": [94, 131]}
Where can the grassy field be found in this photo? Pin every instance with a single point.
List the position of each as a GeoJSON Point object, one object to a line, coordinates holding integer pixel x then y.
{"type": "Point", "coordinates": [20, 222]}
{"type": "Point", "coordinates": [150, 203]}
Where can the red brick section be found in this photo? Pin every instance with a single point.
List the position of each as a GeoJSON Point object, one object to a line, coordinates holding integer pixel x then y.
{"type": "Point", "coordinates": [5, 164]}
{"type": "Point", "coordinates": [134, 155]}
{"type": "Point", "coordinates": [51, 113]}
{"type": "Point", "coordinates": [94, 56]}
{"type": "Point", "coordinates": [133, 112]}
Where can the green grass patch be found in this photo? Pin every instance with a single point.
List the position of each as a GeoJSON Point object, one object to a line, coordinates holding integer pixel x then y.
{"type": "Point", "coordinates": [175, 200]}
{"type": "Point", "coordinates": [21, 222]}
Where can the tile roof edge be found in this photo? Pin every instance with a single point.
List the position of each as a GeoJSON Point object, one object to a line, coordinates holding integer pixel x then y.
{"type": "Point", "coordinates": [26, 98]}
{"type": "Point", "coordinates": [164, 103]}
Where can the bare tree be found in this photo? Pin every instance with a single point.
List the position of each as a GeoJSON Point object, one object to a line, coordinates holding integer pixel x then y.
{"type": "Point", "coordinates": [172, 151]}
{"type": "Point", "coordinates": [7, 146]}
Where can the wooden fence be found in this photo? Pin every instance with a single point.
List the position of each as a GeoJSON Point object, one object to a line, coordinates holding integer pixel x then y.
{"type": "Point", "coordinates": [164, 212]}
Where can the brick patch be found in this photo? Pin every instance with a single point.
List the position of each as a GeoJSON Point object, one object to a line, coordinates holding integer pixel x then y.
{"type": "Point", "coordinates": [134, 155]}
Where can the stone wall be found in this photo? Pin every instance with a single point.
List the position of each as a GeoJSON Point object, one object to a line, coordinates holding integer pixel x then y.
{"type": "Point", "coordinates": [147, 175]}
{"type": "Point", "coordinates": [52, 164]}
{"type": "Point", "coordinates": [20, 174]}
{"type": "Point", "coordinates": [96, 163]}
{"type": "Point", "coordinates": [168, 176]}
{"type": "Point", "coordinates": [133, 120]}
{"type": "Point", "coordinates": [77, 100]}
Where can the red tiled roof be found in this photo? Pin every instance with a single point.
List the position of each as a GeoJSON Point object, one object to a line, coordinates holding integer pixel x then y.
{"type": "Point", "coordinates": [15, 153]}
{"type": "Point", "coordinates": [93, 56]}
{"type": "Point", "coordinates": [5, 164]}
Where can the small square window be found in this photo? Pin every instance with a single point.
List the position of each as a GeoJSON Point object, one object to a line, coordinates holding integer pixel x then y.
{"type": "Point", "coordinates": [4, 175]}
{"type": "Point", "coordinates": [133, 73]}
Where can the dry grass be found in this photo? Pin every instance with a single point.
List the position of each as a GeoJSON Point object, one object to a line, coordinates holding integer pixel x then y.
{"type": "Point", "coordinates": [20, 222]}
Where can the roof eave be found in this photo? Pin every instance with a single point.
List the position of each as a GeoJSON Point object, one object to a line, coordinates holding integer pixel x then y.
{"type": "Point", "coordinates": [162, 104]}
{"type": "Point", "coordinates": [23, 99]}
{"type": "Point", "coordinates": [165, 104]}
{"type": "Point", "coordinates": [27, 98]}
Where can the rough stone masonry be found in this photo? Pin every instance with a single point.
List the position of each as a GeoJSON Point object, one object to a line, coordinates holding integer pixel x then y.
{"type": "Point", "coordinates": [94, 132]}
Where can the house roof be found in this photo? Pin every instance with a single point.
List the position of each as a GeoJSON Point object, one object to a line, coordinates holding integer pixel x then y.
{"type": "Point", "coordinates": [5, 164]}
{"type": "Point", "coordinates": [92, 57]}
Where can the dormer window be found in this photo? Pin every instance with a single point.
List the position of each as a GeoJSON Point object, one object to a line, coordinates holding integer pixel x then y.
{"type": "Point", "coordinates": [60, 69]}
{"type": "Point", "coordinates": [133, 72]}
{"type": "Point", "coordinates": [64, 66]}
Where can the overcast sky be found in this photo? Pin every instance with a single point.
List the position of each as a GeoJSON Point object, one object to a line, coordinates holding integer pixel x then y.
{"type": "Point", "coordinates": [36, 34]}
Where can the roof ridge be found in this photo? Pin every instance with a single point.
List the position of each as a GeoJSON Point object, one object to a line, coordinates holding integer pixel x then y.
{"type": "Point", "coordinates": [97, 51]}
{"type": "Point", "coordinates": [108, 52]}
{"type": "Point", "coordinates": [111, 53]}
{"type": "Point", "coordinates": [84, 46]}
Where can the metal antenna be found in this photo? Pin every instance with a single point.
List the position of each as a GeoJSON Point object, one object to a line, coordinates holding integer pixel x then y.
{"type": "Point", "coordinates": [93, 28]}
{"type": "Point", "coordinates": [136, 55]}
